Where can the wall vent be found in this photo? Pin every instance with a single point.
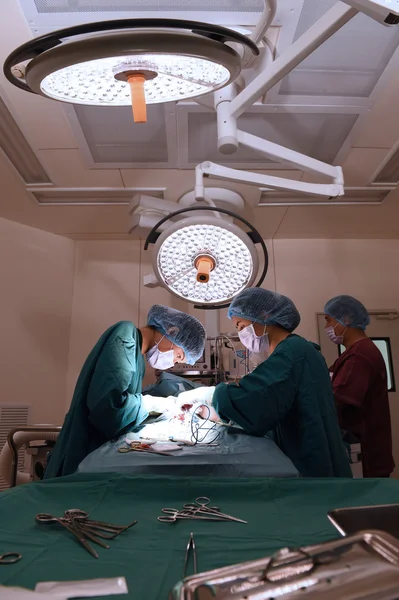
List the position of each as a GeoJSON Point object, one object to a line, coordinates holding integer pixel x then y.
{"type": "Point", "coordinates": [11, 416]}
{"type": "Point", "coordinates": [57, 196]}
{"type": "Point", "coordinates": [353, 195]}
{"type": "Point", "coordinates": [388, 172]}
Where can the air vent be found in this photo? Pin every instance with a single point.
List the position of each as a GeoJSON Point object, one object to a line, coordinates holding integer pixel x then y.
{"type": "Point", "coordinates": [17, 149]}
{"type": "Point", "coordinates": [354, 195]}
{"type": "Point", "coordinates": [94, 6]}
{"type": "Point", "coordinates": [88, 196]}
{"type": "Point", "coordinates": [12, 416]}
{"type": "Point", "coordinates": [389, 171]}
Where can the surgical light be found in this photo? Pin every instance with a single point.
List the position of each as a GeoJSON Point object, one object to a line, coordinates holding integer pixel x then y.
{"type": "Point", "coordinates": [205, 259]}
{"type": "Point", "coordinates": [130, 61]}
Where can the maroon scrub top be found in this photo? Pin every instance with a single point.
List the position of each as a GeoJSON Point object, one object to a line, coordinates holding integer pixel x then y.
{"type": "Point", "coordinates": [361, 395]}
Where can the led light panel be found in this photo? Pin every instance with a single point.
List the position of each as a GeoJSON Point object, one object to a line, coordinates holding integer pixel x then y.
{"type": "Point", "coordinates": [93, 82]}
{"type": "Point", "coordinates": [234, 262]}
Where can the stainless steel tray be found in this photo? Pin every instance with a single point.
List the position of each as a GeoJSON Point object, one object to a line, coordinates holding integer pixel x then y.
{"type": "Point", "coordinates": [363, 566]}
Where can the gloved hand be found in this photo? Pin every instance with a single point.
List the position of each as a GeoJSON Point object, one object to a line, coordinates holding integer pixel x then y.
{"type": "Point", "coordinates": [200, 395]}
{"type": "Point", "coordinates": [158, 405]}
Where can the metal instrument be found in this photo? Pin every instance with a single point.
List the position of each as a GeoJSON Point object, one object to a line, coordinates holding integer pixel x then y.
{"type": "Point", "coordinates": [198, 510]}
{"type": "Point", "coordinates": [142, 447]}
{"type": "Point", "coordinates": [9, 558]}
{"type": "Point", "coordinates": [174, 514]}
{"type": "Point", "coordinates": [50, 519]}
{"type": "Point", "coordinates": [201, 506]}
{"type": "Point", "coordinates": [365, 565]}
{"type": "Point", "coordinates": [191, 549]}
{"type": "Point", "coordinates": [76, 521]}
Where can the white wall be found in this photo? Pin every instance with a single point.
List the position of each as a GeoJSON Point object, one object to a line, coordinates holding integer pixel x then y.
{"type": "Point", "coordinates": [36, 279]}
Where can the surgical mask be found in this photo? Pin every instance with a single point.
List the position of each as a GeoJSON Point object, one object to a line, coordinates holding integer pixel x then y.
{"type": "Point", "coordinates": [336, 339]}
{"type": "Point", "coordinates": [253, 342]}
{"type": "Point", "coordinates": [160, 360]}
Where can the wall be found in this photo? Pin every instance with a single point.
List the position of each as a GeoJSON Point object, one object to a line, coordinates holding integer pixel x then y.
{"type": "Point", "coordinates": [36, 274]}
{"type": "Point", "coordinates": [313, 271]}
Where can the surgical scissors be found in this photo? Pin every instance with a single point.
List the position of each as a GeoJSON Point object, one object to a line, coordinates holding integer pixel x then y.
{"type": "Point", "coordinates": [190, 546]}
{"type": "Point", "coordinates": [201, 506]}
{"type": "Point", "coordinates": [69, 525]}
{"type": "Point", "coordinates": [9, 558]}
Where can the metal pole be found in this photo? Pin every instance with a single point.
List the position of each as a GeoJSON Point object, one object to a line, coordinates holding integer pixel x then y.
{"type": "Point", "coordinates": [321, 31]}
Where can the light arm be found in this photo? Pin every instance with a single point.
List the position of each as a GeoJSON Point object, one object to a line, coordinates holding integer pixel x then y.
{"type": "Point", "coordinates": [268, 181]}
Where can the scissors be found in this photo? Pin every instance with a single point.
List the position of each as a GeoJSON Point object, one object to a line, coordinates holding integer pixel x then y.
{"type": "Point", "coordinates": [9, 558]}
{"type": "Point", "coordinates": [69, 525]}
{"type": "Point", "coordinates": [201, 506]}
{"type": "Point", "coordinates": [174, 514]}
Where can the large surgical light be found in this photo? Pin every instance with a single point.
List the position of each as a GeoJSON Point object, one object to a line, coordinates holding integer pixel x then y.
{"type": "Point", "coordinates": [206, 260]}
{"type": "Point", "coordinates": [131, 61]}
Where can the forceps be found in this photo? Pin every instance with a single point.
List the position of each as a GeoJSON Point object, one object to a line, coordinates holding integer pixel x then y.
{"type": "Point", "coordinates": [9, 558]}
{"type": "Point", "coordinates": [140, 447]}
{"type": "Point", "coordinates": [174, 514]}
{"type": "Point", "coordinates": [69, 525]}
{"type": "Point", "coordinates": [201, 506]}
{"type": "Point", "coordinates": [190, 546]}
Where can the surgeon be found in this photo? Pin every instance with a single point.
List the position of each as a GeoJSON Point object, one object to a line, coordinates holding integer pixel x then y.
{"type": "Point", "coordinates": [288, 396]}
{"type": "Point", "coordinates": [360, 386]}
{"type": "Point", "coordinates": [107, 401]}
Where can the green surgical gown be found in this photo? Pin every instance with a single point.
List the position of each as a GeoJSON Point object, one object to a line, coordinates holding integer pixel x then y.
{"type": "Point", "coordinates": [107, 399]}
{"type": "Point", "coordinates": [289, 398]}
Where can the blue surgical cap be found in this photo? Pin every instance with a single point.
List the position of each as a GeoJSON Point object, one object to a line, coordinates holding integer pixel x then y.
{"type": "Point", "coordinates": [181, 329]}
{"type": "Point", "coordinates": [265, 307]}
{"type": "Point", "coordinates": [348, 311]}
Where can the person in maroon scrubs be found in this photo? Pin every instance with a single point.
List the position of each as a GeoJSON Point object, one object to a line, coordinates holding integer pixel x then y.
{"type": "Point", "coordinates": [359, 380]}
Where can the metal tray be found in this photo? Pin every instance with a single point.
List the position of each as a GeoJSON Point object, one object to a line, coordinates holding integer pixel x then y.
{"type": "Point", "coordinates": [363, 566]}
{"type": "Point", "coordinates": [384, 517]}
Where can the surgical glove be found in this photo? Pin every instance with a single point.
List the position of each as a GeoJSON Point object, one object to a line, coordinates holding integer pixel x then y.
{"type": "Point", "coordinates": [158, 405]}
{"type": "Point", "coordinates": [200, 395]}
{"type": "Point", "coordinates": [207, 412]}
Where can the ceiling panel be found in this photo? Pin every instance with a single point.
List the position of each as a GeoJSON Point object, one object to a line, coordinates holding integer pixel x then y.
{"type": "Point", "coordinates": [113, 138]}
{"type": "Point", "coordinates": [349, 63]}
{"type": "Point", "coordinates": [318, 135]}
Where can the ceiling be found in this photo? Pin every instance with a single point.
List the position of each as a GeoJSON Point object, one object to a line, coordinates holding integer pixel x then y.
{"type": "Point", "coordinates": [72, 170]}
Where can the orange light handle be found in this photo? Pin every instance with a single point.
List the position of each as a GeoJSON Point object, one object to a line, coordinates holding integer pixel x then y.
{"type": "Point", "coordinates": [204, 266]}
{"type": "Point", "coordinates": [137, 93]}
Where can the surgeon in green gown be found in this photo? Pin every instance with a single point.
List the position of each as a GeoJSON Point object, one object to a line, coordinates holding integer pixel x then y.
{"type": "Point", "coordinates": [107, 401]}
{"type": "Point", "coordinates": [289, 395]}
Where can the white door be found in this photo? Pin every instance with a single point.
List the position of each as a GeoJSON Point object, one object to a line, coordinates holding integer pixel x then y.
{"type": "Point", "coordinates": [384, 330]}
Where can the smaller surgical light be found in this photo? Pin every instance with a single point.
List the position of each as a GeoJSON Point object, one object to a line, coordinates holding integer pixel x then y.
{"type": "Point", "coordinates": [206, 260]}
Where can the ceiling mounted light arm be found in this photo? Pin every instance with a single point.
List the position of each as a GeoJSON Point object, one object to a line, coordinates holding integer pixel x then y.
{"type": "Point", "coordinates": [292, 157]}
{"type": "Point", "coordinates": [269, 12]}
{"type": "Point", "coordinates": [275, 183]}
{"type": "Point", "coordinates": [316, 35]}
{"type": "Point", "coordinates": [244, 241]}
